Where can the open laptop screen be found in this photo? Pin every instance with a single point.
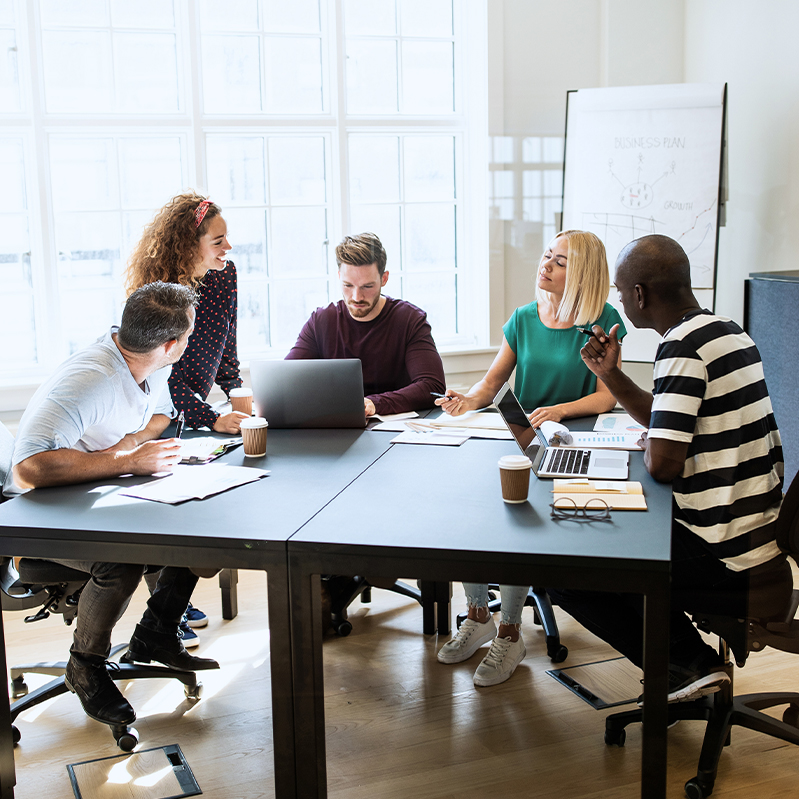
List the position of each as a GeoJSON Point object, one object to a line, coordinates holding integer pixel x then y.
{"type": "Point", "coordinates": [517, 422]}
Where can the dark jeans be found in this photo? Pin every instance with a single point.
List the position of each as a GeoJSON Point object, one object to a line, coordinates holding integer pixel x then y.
{"type": "Point", "coordinates": [106, 597]}
{"type": "Point", "coordinates": [695, 575]}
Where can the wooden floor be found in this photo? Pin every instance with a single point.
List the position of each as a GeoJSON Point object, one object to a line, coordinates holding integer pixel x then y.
{"type": "Point", "coordinates": [399, 724]}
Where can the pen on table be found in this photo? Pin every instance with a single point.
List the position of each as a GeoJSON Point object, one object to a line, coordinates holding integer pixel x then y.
{"type": "Point", "coordinates": [179, 425]}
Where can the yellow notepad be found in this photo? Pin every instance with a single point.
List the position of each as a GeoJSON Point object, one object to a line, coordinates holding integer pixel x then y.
{"type": "Point", "coordinates": [619, 495]}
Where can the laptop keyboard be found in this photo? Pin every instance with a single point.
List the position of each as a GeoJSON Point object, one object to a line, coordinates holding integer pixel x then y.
{"type": "Point", "coordinates": [568, 461]}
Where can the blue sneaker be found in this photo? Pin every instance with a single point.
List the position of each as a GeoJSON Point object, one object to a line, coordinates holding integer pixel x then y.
{"type": "Point", "coordinates": [195, 617]}
{"type": "Point", "coordinates": [190, 638]}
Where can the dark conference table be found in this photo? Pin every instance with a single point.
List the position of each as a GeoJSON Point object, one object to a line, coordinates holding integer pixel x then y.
{"type": "Point", "coordinates": [430, 506]}
{"type": "Point", "coordinates": [247, 527]}
{"type": "Point", "coordinates": [440, 516]}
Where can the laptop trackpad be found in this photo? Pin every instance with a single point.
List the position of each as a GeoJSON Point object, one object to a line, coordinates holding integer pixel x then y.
{"type": "Point", "coordinates": [606, 463]}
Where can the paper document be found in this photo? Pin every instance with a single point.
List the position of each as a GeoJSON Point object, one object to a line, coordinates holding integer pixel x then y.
{"type": "Point", "coordinates": [205, 448]}
{"type": "Point", "coordinates": [477, 419]}
{"type": "Point", "coordinates": [440, 437]}
{"type": "Point", "coordinates": [189, 483]}
{"type": "Point", "coordinates": [395, 417]}
{"type": "Point", "coordinates": [617, 423]}
{"type": "Point", "coordinates": [628, 441]}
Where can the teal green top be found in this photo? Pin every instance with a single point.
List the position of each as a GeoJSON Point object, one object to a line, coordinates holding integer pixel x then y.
{"type": "Point", "coordinates": [549, 369]}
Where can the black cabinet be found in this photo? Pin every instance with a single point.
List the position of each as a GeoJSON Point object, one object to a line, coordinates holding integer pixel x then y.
{"type": "Point", "coordinates": [771, 312]}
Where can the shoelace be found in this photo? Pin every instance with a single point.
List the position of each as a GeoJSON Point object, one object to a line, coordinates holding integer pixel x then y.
{"type": "Point", "coordinates": [496, 654]}
{"type": "Point", "coordinates": [465, 632]}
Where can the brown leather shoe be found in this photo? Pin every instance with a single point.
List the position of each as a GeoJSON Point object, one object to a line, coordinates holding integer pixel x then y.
{"type": "Point", "coordinates": [147, 645]}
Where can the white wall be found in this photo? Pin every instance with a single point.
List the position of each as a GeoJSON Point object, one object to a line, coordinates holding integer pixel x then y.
{"type": "Point", "coordinates": [753, 47]}
{"type": "Point", "coordinates": [546, 48]}
{"type": "Point", "coordinates": [540, 48]}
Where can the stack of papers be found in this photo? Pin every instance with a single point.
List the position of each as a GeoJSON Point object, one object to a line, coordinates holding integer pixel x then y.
{"type": "Point", "coordinates": [203, 449]}
{"type": "Point", "coordinates": [186, 483]}
{"type": "Point", "coordinates": [474, 424]}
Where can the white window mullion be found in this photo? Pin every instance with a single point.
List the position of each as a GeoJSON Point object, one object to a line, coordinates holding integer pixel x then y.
{"type": "Point", "coordinates": [44, 267]}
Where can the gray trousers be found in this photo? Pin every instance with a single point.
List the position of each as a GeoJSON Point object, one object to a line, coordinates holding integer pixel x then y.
{"type": "Point", "coordinates": [107, 595]}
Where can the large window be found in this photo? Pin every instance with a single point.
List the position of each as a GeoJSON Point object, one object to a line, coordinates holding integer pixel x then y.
{"type": "Point", "coordinates": [304, 120]}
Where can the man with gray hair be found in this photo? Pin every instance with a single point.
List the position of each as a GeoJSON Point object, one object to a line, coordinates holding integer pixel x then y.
{"type": "Point", "coordinates": [99, 416]}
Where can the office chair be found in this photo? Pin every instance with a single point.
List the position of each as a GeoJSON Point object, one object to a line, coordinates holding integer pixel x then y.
{"type": "Point", "coordinates": [770, 621]}
{"type": "Point", "coordinates": [544, 616]}
{"type": "Point", "coordinates": [54, 588]}
{"type": "Point", "coordinates": [339, 592]}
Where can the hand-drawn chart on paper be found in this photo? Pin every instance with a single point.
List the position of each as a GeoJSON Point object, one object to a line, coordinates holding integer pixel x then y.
{"type": "Point", "coordinates": [646, 159]}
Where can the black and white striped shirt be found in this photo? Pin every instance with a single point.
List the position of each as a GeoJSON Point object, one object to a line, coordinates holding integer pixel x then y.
{"type": "Point", "coordinates": [710, 393]}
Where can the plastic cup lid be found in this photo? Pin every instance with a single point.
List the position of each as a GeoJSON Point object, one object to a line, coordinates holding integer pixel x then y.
{"type": "Point", "coordinates": [254, 421]}
{"type": "Point", "coordinates": [240, 392]}
{"type": "Point", "coordinates": [515, 462]}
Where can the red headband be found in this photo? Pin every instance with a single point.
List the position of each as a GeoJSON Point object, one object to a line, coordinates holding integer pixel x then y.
{"type": "Point", "coordinates": [200, 212]}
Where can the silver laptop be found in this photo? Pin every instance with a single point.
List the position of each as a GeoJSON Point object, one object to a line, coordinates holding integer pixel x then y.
{"type": "Point", "coordinates": [314, 393]}
{"type": "Point", "coordinates": [598, 464]}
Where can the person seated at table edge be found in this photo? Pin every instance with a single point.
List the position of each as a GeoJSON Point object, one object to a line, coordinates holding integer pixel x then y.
{"type": "Point", "coordinates": [392, 338]}
{"type": "Point", "coordinates": [100, 416]}
{"type": "Point", "coordinates": [712, 432]}
{"type": "Point", "coordinates": [541, 343]}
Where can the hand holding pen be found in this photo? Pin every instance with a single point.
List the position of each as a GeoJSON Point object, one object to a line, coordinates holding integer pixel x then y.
{"type": "Point", "coordinates": [602, 351]}
{"type": "Point", "coordinates": [179, 425]}
{"type": "Point", "coordinates": [452, 402]}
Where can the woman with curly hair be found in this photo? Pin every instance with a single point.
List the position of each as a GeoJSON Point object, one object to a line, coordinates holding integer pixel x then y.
{"type": "Point", "coordinates": [186, 243]}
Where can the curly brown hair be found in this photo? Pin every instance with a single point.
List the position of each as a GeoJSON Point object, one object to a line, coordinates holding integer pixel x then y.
{"type": "Point", "coordinates": [168, 248]}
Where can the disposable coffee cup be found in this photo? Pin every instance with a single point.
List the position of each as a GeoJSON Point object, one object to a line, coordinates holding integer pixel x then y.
{"type": "Point", "coordinates": [253, 432]}
{"type": "Point", "coordinates": [241, 400]}
{"type": "Point", "coordinates": [514, 475]}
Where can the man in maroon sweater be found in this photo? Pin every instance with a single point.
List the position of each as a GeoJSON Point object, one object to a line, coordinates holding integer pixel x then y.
{"type": "Point", "coordinates": [401, 365]}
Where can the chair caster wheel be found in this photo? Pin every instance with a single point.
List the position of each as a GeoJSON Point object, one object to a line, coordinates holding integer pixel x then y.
{"type": "Point", "coordinates": [344, 629]}
{"type": "Point", "coordinates": [791, 716]}
{"type": "Point", "coordinates": [615, 737]}
{"type": "Point", "coordinates": [17, 735]}
{"type": "Point", "coordinates": [126, 739]}
{"type": "Point", "coordinates": [558, 654]}
{"type": "Point", "coordinates": [696, 789]}
{"type": "Point", "coordinates": [193, 692]}
{"type": "Point", "coordinates": [18, 687]}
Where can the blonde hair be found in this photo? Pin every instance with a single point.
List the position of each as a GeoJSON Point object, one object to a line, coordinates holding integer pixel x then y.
{"type": "Point", "coordinates": [587, 278]}
{"type": "Point", "coordinates": [170, 244]}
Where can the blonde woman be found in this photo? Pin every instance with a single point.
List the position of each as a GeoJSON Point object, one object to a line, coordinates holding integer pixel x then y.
{"type": "Point", "coordinates": [542, 343]}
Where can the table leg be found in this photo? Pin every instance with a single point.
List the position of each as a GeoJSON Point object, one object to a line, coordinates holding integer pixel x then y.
{"type": "Point", "coordinates": [656, 660]}
{"type": "Point", "coordinates": [436, 614]}
{"type": "Point", "coordinates": [281, 672]}
{"type": "Point", "coordinates": [8, 777]}
{"type": "Point", "coordinates": [444, 607]}
{"type": "Point", "coordinates": [309, 707]}
{"type": "Point", "coordinates": [228, 583]}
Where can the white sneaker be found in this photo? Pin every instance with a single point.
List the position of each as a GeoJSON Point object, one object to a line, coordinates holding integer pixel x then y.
{"type": "Point", "coordinates": [469, 638]}
{"type": "Point", "coordinates": [500, 662]}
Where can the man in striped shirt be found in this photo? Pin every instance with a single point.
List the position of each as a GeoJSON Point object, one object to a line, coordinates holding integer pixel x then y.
{"type": "Point", "coordinates": [711, 431]}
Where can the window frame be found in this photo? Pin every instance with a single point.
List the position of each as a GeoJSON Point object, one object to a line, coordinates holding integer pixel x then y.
{"type": "Point", "coordinates": [467, 123]}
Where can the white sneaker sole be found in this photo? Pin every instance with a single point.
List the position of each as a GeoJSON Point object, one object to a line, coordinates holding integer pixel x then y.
{"type": "Point", "coordinates": [497, 678]}
{"type": "Point", "coordinates": [474, 644]}
{"type": "Point", "coordinates": [705, 686]}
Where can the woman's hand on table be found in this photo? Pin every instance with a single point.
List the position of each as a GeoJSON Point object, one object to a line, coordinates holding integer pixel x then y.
{"type": "Point", "coordinates": [553, 413]}
{"type": "Point", "coordinates": [229, 423]}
